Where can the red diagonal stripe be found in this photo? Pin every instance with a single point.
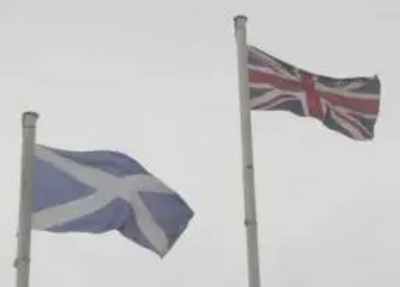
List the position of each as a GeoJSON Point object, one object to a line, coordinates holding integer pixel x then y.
{"type": "Point", "coordinates": [273, 101]}
{"type": "Point", "coordinates": [257, 77]}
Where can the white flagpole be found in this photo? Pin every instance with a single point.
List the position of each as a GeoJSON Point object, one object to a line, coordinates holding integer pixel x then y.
{"type": "Point", "coordinates": [247, 154]}
{"type": "Point", "coordinates": [25, 206]}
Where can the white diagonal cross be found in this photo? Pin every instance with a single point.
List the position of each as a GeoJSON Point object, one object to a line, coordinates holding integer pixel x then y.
{"type": "Point", "coordinates": [108, 187]}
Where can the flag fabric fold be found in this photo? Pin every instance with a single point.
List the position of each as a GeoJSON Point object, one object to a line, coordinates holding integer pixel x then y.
{"type": "Point", "coordinates": [101, 191]}
{"type": "Point", "coordinates": [349, 106]}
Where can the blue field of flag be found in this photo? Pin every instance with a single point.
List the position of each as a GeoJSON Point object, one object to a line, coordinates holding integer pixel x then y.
{"type": "Point", "coordinates": [100, 191]}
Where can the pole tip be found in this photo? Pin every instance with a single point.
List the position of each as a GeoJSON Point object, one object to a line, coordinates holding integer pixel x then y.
{"type": "Point", "coordinates": [240, 17]}
{"type": "Point", "coordinates": [240, 20]}
{"type": "Point", "coordinates": [29, 118]}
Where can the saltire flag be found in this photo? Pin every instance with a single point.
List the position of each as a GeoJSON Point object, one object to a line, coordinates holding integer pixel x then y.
{"type": "Point", "coordinates": [349, 106]}
{"type": "Point", "coordinates": [101, 191]}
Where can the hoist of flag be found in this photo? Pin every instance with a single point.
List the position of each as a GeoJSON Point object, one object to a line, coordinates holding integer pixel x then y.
{"type": "Point", "coordinates": [349, 106]}
{"type": "Point", "coordinates": [101, 191]}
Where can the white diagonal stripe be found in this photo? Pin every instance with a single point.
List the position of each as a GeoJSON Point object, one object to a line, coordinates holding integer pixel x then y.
{"type": "Point", "coordinates": [57, 215]}
{"type": "Point", "coordinates": [108, 188]}
{"type": "Point", "coordinates": [346, 125]}
{"type": "Point", "coordinates": [272, 63]}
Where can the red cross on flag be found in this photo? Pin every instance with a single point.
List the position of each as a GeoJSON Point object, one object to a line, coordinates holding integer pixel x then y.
{"type": "Point", "coordinates": [348, 105]}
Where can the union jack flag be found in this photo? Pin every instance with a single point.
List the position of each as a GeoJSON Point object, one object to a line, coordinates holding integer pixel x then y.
{"type": "Point", "coordinates": [349, 106]}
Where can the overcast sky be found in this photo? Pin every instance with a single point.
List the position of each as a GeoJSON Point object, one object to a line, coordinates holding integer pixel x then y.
{"type": "Point", "coordinates": [158, 80]}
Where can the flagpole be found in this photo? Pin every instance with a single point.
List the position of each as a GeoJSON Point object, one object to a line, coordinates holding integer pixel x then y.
{"type": "Point", "coordinates": [247, 154]}
{"type": "Point", "coordinates": [22, 261]}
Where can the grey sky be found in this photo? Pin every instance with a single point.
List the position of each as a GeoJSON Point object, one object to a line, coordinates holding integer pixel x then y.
{"type": "Point", "coordinates": [158, 80]}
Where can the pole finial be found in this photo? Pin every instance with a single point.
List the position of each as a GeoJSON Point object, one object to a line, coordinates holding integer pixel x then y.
{"type": "Point", "coordinates": [240, 20]}
{"type": "Point", "coordinates": [29, 118]}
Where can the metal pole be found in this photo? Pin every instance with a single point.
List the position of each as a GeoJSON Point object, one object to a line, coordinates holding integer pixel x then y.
{"type": "Point", "coordinates": [247, 154]}
{"type": "Point", "coordinates": [22, 260]}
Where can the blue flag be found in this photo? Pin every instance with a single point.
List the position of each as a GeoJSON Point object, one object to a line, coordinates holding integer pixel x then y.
{"type": "Point", "coordinates": [100, 191]}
